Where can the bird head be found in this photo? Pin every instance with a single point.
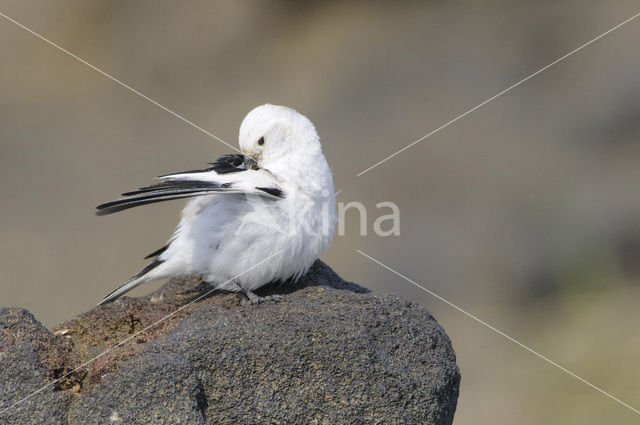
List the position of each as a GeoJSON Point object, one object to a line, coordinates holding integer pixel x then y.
{"type": "Point", "coordinates": [271, 134]}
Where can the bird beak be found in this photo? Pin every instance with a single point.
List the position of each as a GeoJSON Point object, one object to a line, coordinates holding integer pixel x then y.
{"type": "Point", "coordinates": [251, 162]}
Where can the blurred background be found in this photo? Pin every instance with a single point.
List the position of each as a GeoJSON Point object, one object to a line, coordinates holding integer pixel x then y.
{"type": "Point", "coordinates": [526, 213]}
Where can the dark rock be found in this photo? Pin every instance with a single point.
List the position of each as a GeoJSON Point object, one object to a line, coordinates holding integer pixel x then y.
{"type": "Point", "coordinates": [154, 388]}
{"type": "Point", "coordinates": [330, 352]}
{"type": "Point", "coordinates": [30, 357]}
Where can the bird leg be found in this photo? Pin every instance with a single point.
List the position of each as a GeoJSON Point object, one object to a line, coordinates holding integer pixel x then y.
{"type": "Point", "coordinates": [253, 298]}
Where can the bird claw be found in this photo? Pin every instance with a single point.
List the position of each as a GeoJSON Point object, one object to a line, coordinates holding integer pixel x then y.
{"type": "Point", "coordinates": [252, 298]}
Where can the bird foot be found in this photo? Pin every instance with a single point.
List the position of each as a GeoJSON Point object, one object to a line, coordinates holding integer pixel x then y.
{"type": "Point", "coordinates": [252, 298]}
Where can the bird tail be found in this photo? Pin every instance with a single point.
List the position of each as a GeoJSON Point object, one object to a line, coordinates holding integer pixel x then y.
{"type": "Point", "coordinates": [141, 277]}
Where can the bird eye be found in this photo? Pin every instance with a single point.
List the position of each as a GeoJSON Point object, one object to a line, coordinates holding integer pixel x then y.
{"type": "Point", "coordinates": [261, 141]}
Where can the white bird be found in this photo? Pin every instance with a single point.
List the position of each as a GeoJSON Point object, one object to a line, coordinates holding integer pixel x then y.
{"type": "Point", "coordinates": [275, 200]}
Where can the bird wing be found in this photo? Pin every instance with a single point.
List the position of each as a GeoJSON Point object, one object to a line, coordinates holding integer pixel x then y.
{"type": "Point", "coordinates": [229, 174]}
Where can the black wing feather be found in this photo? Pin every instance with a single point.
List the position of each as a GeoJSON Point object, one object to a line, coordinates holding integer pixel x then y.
{"type": "Point", "coordinates": [158, 252]}
{"type": "Point", "coordinates": [274, 191]}
{"type": "Point", "coordinates": [179, 189]}
{"type": "Point", "coordinates": [125, 204]}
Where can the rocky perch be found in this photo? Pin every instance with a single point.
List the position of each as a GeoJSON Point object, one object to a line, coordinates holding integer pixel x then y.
{"type": "Point", "coordinates": [330, 352]}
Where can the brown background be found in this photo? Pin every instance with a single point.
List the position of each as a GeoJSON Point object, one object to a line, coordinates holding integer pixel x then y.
{"type": "Point", "coordinates": [525, 213]}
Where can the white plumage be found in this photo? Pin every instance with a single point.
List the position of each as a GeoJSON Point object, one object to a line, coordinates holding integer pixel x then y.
{"type": "Point", "coordinates": [277, 198]}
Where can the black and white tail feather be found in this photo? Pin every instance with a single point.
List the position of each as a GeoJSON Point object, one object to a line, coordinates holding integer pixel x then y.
{"type": "Point", "coordinates": [137, 279]}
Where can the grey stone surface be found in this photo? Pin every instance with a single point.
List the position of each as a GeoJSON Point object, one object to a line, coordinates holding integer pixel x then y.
{"type": "Point", "coordinates": [155, 388]}
{"type": "Point", "coordinates": [29, 359]}
{"type": "Point", "coordinates": [330, 352]}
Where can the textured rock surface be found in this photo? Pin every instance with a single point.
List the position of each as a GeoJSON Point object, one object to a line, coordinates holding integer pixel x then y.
{"type": "Point", "coordinates": [30, 358]}
{"type": "Point", "coordinates": [330, 352]}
